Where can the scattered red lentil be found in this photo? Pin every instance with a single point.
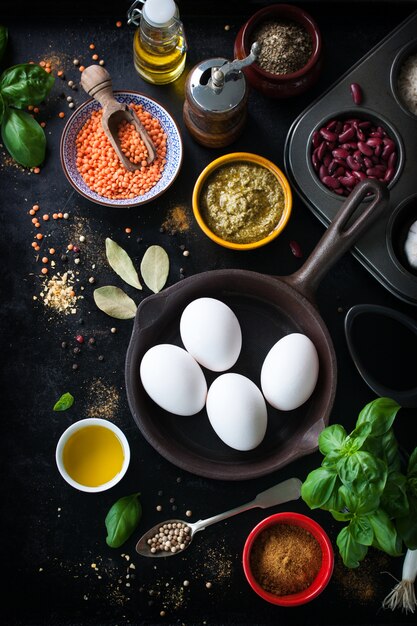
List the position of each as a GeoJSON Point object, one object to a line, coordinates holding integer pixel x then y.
{"type": "Point", "coordinates": [35, 207]}
{"type": "Point", "coordinates": [60, 73]}
{"type": "Point", "coordinates": [45, 217]}
{"type": "Point", "coordinates": [100, 167]}
{"type": "Point", "coordinates": [36, 170]}
{"type": "Point", "coordinates": [44, 270]}
{"type": "Point", "coordinates": [37, 225]}
{"type": "Point", "coordinates": [34, 244]}
{"type": "Point", "coordinates": [32, 212]}
{"type": "Point", "coordinates": [51, 250]}
{"type": "Point", "coordinates": [81, 68]}
{"type": "Point", "coordinates": [34, 220]}
{"type": "Point", "coordinates": [42, 64]}
{"type": "Point", "coordinates": [61, 114]}
{"type": "Point", "coordinates": [95, 57]}
{"type": "Point", "coordinates": [48, 70]}
{"type": "Point", "coordinates": [70, 246]}
{"type": "Point", "coordinates": [55, 216]}
{"type": "Point", "coordinates": [60, 215]}
{"type": "Point", "coordinates": [128, 230]}
{"type": "Point", "coordinates": [39, 236]}
{"type": "Point", "coordinates": [37, 248]}
{"type": "Point", "coordinates": [92, 46]}
{"type": "Point", "coordinates": [118, 24]}
{"type": "Point", "coordinates": [43, 124]}
{"type": "Point", "coordinates": [45, 259]}
{"type": "Point", "coordinates": [36, 110]}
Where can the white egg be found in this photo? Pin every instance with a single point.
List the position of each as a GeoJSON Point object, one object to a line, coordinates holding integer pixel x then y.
{"type": "Point", "coordinates": [237, 411]}
{"type": "Point", "coordinates": [173, 379]}
{"type": "Point", "coordinates": [211, 333]}
{"type": "Point", "coordinates": [290, 371]}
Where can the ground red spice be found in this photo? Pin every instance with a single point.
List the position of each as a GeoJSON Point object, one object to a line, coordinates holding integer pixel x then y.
{"type": "Point", "coordinates": [285, 559]}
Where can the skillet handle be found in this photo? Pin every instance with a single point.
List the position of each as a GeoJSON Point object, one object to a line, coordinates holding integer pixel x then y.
{"type": "Point", "coordinates": [340, 236]}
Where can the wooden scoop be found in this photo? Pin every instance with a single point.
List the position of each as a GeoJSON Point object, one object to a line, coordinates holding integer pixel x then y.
{"type": "Point", "coordinates": [96, 81]}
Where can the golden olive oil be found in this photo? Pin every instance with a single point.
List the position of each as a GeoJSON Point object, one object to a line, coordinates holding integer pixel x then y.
{"type": "Point", "coordinates": [160, 62]}
{"type": "Point", "coordinates": [93, 456]}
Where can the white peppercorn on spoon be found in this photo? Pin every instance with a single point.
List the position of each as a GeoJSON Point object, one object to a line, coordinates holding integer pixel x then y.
{"type": "Point", "coordinates": [174, 536]}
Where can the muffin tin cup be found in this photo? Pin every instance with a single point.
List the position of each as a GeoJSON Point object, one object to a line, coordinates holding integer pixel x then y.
{"type": "Point", "coordinates": [397, 230]}
{"type": "Point", "coordinates": [366, 115]}
{"type": "Point", "coordinates": [400, 59]}
{"type": "Point", "coordinates": [377, 74]}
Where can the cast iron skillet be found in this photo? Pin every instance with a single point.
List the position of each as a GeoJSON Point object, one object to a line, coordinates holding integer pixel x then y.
{"type": "Point", "coordinates": [268, 308]}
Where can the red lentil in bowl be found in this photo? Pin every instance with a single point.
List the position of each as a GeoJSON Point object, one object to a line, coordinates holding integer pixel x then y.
{"type": "Point", "coordinates": [73, 165]}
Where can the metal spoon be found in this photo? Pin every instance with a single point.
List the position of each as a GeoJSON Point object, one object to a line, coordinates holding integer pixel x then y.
{"type": "Point", "coordinates": [96, 81]}
{"type": "Point", "coordinates": [283, 492]}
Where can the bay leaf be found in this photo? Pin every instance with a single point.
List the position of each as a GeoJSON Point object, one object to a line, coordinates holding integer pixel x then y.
{"type": "Point", "coordinates": [121, 263]}
{"type": "Point", "coordinates": [115, 302]}
{"type": "Point", "coordinates": [155, 268]}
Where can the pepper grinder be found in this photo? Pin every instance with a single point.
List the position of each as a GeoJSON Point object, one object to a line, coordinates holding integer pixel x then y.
{"type": "Point", "coordinates": [216, 94]}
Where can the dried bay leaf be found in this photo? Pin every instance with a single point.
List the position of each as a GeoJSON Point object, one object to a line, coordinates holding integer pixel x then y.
{"type": "Point", "coordinates": [121, 263]}
{"type": "Point", "coordinates": [155, 268]}
{"type": "Point", "coordinates": [115, 302]}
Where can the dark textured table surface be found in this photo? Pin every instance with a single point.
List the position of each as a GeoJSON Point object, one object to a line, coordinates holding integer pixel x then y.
{"type": "Point", "coordinates": [56, 566]}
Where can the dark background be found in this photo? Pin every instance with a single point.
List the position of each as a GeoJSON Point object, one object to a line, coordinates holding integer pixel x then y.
{"type": "Point", "coordinates": [52, 534]}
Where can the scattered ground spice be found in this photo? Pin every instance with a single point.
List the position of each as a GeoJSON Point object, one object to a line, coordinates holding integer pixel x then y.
{"type": "Point", "coordinates": [285, 46]}
{"type": "Point", "coordinates": [103, 400]}
{"type": "Point", "coordinates": [177, 220]}
{"type": "Point", "coordinates": [364, 584]}
{"type": "Point", "coordinates": [285, 559]}
{"type": "Point", "coordinates": [58, 293]}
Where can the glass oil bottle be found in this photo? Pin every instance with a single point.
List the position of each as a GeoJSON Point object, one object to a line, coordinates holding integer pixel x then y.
{"type": "Point", "coordinates": [159, 45]}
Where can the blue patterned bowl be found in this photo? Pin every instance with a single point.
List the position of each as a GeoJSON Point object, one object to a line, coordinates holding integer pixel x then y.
{"type": "Point", "coordinates": [77, 121]}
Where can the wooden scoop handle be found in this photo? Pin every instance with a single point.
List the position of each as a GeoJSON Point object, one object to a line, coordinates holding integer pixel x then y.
{"type": "Point", "coordinates": [96, 81]}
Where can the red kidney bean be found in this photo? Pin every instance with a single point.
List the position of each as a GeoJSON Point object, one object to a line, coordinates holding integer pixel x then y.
{"type": "Point", "coordinates": [347, 181]}
{"type": "Point", "coordinates": [368, 162]}
{"type": "Point", "coordinates": [347, 134]}
{"type": "Point", "coordinates": [360, 135]}
{"type": "Point", "coordinates": [332, 167]}
{"type": "Point", "coordinates": [315, 160]}
{"type": "Point", "coordinates": [365, 125]}
{"type": "Point", "coordinates": [373, 171]}
{"type": "Point", "coordinates": [392, 161]}
{"type": "Point", "coordinates": [323, 171]}
{"type": "Point", "coordinates": [339, 191]}
{"type": "Point", "coordinates": [327, 159]}
{"type": "Point", "coordinates": [352, 163]}
{"type": "Point", "coordinates": [317, 139]}
{"type": "Point", "coordinates": [296, 249]}
{"type": "Point", "coordinates": [388, 150]}
{"type": "Point", "coordinates": [331, 125]}
{"type": "Point", "coordinates": [365, 149]}
{"type": "Point", "coordinates": [340, 153]}
{"type": "Point", "coordinates": [356, 92]}
{"type": "Point", "coordinates": [389, 174]}
{"type": "Point", "coordinates": [359, 175]}
{"type": "Point", "coordinates": [374, 142]}
{"type": "Point", "coordinates": [351, 145]}
{"type": "Point", "coordinates": [339, 172]}
{"type": "Point", "coordinates": [328, 135]}
{"type": "Point", "coordinates": [321, 151]}
{"type": "Point", "coordinates": [331, 182]}
{"type": "Point", "coordinates": [378, 150]}
{"type": "Point", "coordinates": [382, 131]}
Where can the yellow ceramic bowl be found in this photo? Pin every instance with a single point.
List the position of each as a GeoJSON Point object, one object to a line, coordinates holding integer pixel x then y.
{"type": "Point", "coordinates": [239, 157]}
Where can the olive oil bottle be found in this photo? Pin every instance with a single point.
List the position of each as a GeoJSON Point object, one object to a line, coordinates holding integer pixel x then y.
{"type": "Point", "coordinates": [159, 46]}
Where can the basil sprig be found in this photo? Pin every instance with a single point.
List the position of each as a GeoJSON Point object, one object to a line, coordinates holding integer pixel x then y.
{"type": "Point", "coordinates": [20, 86]}
{"type": "Point", "coordinates": [122, 519]}
{"type": "Point", "coordinates": [65, 402]}
{"type": "Point", "coordinates": [360, 483]}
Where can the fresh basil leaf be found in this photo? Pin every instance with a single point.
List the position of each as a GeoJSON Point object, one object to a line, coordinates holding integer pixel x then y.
{"type": "Point", "coordinates": [2, 108]}
{"type": "Point", "coordinates": [318, 487]}
{"type": "Point", "coordinates": [385, 448]}
{"type": "Point", "coordinates": [412, 464]}
{"type": "Point", "coordinates": [25, 84]}
{"type": "Point", "coordinates": [363, 473]}
{"type": "Point", "coordinates": [385, 534]}
{"type": "Point", "coordinates": [114, 302]}
{"type": "Point", "coordinates": [406, 526]}
{"type": "Point", "coordinates": [122, 519]}
{"type": "Point", "coordinates": [360, 504]}
{"type": "Point", "coordinates": [335, 502]}
{"type": "Point", "coordinates": [23, 138]}
{"type": "Point", "coordinates": [394, 499]}
{"type": "Point", "coordinates": [341, 517]}
{"type": "Point", "coordinates": [121, 263]}
{"type": "Point", "coordinates": [155, 268]}
{"type": "Point", "coordinates": [331, 438]}
{"type": "Point", "coordinates": [361, 530]}
{"type": "Point", "coordinates": [380, 413]}
{"type": "Point", "coordinates": [357, 437]}
{"type": "Point", "coordinates": [65, 402]}
{"type": "Point", "coordinates": [3, 40]}
{"type": "Point", "coordinates": [350, 550]}
{"type": "Point", "coordinates": [332, 459]}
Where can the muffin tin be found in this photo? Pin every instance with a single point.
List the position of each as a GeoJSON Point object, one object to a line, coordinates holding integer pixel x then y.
{"type": "Point", "coordinates": [380, 250]}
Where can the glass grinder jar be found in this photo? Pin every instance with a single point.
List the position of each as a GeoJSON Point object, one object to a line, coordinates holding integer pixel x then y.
{"type": "Point", "coordinates": [159, 45]}
{"type": "Point", "coordinates": [215, 106]}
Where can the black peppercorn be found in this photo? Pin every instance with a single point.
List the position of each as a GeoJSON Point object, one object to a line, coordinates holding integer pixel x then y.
{"type": "Point", "coordinates": [77, 350]}
{"type": "Point", "coordinates": [74, 366]}
{"type": "Point", "coordinates": [91, 341]}
{"type": "Point", "coordinates": [64, 344]}
{"type": "Point", "coordinates": [64, 258]}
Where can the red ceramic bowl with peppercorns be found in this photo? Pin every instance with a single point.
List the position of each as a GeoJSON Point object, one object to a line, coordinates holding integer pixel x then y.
{"type": "Point", "coordinates": [288, 559]}
{"type": "Point", "coordinates": [291, 83]}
